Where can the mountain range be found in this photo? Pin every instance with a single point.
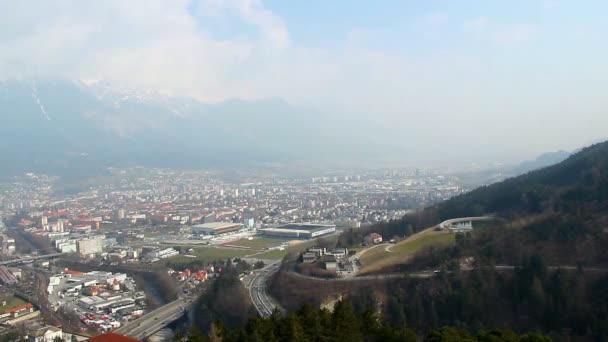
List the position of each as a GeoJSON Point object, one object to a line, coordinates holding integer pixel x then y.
{"type": "Point", "coordinates": [79, 128]}
{"type": "Point", "coordinates": [544, 160]}
{"type": "Point", "coordinates": [68, 128]}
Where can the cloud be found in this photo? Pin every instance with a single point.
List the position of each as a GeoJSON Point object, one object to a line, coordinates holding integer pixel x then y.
{"type": "Point", "coordinates": [146, 43]}
{"type": "Point", "coordinates": [392, 82]}
{"type": "Point", "coordinates": [270, 25]}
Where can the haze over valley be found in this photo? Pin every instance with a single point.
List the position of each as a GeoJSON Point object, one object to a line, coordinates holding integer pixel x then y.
{"type": "Point", "coordinates": [269, 170]}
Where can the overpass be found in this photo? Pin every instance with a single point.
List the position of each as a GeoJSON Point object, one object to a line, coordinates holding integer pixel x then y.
{"type": "Point", "coordinates": [29, 259]}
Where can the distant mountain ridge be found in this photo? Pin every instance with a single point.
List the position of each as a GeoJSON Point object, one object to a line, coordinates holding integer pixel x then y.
{"type": "Point", "coordinates": [580, 178]}
{"type": "Point", "coordinates": [544, 160]}
{"type": "Point", "coordinates": [66, 127]}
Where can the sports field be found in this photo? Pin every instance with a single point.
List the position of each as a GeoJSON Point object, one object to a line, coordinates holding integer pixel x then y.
{"type": "Point", "coordinates": [259, 243]}
{"type": "Point", "coordinates": [211, 254]}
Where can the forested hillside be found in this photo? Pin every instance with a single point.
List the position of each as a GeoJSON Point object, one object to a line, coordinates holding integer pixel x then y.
{"type": "Point", "coordinates": [560, 212]}
{"type": "Point", "coordinates": [575, 186]}
{"type": "Point", "coordinates": [550, 242]}
{"type": "Point", "coordinates": [343, 324]}
{"type": "Point", "coordinates": [550, 246]}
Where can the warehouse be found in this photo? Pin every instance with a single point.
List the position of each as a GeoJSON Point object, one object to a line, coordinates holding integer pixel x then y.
{"type": "Point", "coordinates": [215, 228]}
{"type": "Point", "coordinates": [6, 277]}
{"type": "Point", "coordinates": [300, 230]}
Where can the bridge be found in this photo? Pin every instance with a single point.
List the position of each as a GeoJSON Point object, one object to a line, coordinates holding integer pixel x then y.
{"type": "Point", "coordinates": [29, 259]}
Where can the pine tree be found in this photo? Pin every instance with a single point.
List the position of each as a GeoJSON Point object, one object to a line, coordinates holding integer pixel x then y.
{"type": "Point", "coordinates": [345, 323]}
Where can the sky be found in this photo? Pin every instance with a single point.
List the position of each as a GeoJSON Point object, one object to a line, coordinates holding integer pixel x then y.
{"type": "Point", "coordinates": [476, 80]}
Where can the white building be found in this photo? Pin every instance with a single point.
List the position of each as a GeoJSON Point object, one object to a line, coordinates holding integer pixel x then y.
{"type": "Point", "coordinates": [46, 334]}
{"type": "Point", "coordinates": [89, 246]}
{"type": "Point", "coordinates": [161, 253]}
{"type": "Point", "coordinates": [67, 247]}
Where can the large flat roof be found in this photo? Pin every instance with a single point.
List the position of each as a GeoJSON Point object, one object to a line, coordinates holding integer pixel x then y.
{"type": "Point", "coordinates": [306, 226]}
{"type": "Point", "coordinates": [217, 225]}
{"type": "Point", "coordinates": [284, 230]}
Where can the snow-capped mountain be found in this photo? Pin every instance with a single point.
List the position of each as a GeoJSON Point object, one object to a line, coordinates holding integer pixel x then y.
{"type": "Point", "coordinates": [49, 125]}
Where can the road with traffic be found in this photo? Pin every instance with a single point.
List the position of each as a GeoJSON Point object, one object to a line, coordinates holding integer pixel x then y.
{"type": "Point", "coordinates": [263, 302]}
{"type": "Point", "coordinates": [156, 320]}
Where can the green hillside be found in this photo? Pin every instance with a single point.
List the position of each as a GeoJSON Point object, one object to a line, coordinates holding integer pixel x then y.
{"type": "Point", "coordinates": [550, 244]}
{"type": "Point", "coordinates": [578, 183]}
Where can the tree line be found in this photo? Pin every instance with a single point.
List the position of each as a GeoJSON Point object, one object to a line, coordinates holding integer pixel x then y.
{"type": "Point", "coordinates": [342, 324]}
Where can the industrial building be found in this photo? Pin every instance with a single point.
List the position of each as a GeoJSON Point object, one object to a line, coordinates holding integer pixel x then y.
{"type": "Point", "coordinates": [155, 253]}
{"type": "Point", "coordinates": [299, 230]}
{"type": "Point", "coordinates": [46, 334]}
{"type": "Point", "coordinates": [215, 228]}
{"type": "Point", "coordinates": [88, 247]}
{"type": "Point", "coordinates": [6, 277]}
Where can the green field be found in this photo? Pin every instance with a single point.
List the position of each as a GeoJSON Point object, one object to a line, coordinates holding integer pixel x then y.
{"type": "Point", "coordinates": [429, 240]}
{"type": "Point", "coordinates": [300, 247]}
{"type": "Point", "coordinates": [382, 256]}
{"type": "Point", "coordinates": [272, 255]}
{"type": "Point", "coordinates": [11, 302]}
{"type": "Point", "coordinates": [259, 243]}
{"type": "Point", "coordinates": [210, 254]}
{"type": "Point", "coordinates": [374, 255]}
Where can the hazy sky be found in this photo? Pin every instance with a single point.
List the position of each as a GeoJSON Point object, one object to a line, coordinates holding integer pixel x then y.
{"type": "Point", "coordinates": [490, 80]}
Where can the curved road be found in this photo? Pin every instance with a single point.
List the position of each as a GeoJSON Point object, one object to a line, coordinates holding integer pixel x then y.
{"type": "Point", "coordinates": [156, 320]}
{"type": "Point", "coordinates": [264, 304]}
{"type": "Point", "coordinates": [447, 224]}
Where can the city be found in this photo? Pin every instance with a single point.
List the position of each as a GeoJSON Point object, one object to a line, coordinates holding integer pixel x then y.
{"type": "Point", "coordinates": [295, 171]}
{"type": "Point", "coordinates": [169, 219]}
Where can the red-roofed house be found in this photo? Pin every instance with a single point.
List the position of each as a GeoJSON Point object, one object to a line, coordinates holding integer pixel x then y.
{"type": "Point", "coordinates": [112, 337]}
{"type": "Point", "coordinates": [19, 310]}
{"type": "Point", "coordinates": [372, 238]}
{"type": "Point", "coordinates": [72, 272]}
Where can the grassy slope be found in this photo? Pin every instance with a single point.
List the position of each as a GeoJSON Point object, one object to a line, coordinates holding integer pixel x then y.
{"type": "Point", "coordinates": [381, 256]}
{"type": "Point", "coordinates": [433, 239]}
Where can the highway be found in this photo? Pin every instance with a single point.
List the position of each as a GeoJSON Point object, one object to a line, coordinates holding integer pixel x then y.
{"type": "Point", "coordinates": [263, 303]}
{"type": "Point", "coordinates": [160, 318]}
{"type": "Point", "coordinates": [156, 320]}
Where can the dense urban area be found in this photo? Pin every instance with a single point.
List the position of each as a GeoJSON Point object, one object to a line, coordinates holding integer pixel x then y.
{"type": "Point", "coordinates": [80, 263]}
